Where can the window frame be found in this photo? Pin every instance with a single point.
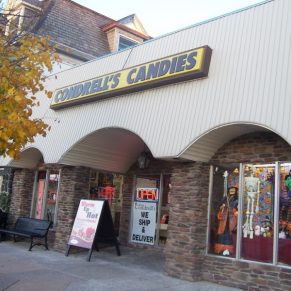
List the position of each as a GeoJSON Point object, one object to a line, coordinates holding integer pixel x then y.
{"type": "Point", "coordinates": [120, 36]}
{"type": "Point", "coordinates": [160, 178]}
{"type": "Point", "coordinates": [238, 257]}
{"type": "Point", "coordinates": [45, 194]}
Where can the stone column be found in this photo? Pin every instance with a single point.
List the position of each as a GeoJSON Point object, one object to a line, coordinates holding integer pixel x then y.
{"type": "Point", "coordinates": [126, 209]}
{"type": "Point", "coordinates": [74, 186]}
{"type": "Point", "coordinates": [186, 243]}
{"type": "Point", "coordinates": [22, 192]}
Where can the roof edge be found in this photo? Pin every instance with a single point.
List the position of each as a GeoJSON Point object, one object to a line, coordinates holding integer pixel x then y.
{"type": "Point", "coordinates": [114, 24]}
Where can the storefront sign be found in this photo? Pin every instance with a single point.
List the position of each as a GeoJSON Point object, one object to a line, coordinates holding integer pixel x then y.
{"type": "Point", "coordinates": [147, 194]}
{"type": "Point", "coordinates": [192, 64]}
{"type": "Point", "coordinates": [144, 223]}
{"type": "Point", "coordinates": [86, 223]}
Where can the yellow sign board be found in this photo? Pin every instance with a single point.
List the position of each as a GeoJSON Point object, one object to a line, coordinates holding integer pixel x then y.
{"type": "Point", "coordinates": [188, 65]}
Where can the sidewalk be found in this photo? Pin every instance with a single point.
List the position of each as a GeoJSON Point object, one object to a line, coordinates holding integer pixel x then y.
{"type": "Point", "coordinates": [21, 270]}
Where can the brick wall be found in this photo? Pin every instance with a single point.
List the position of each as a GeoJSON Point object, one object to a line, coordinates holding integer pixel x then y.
{"type": "Point", "coordinates": [74, 186]}
{"type": "Point", "coordinates": [185, 247]}
{"type": "Point", "coordinates": [262, 148]}
{"type": "Point", "coordinates": [255, 147]}
{"type": "Point", "coordinates": [186, 244]}
{"type": "Point", "coordinates": [246, 276]}
{"type": "Point", "coordinates": [22, 191]}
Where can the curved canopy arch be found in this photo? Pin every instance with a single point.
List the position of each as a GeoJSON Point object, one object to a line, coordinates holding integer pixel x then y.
{"type": "Point", "coordinates": [30, 158]}
{"type": "Point", "coordinates": [206, 145]}
{"type": "Point", "coordinates": [108, 149]}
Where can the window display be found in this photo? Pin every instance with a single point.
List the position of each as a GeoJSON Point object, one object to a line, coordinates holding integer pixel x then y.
{"type": "Point", "coordinates": [224, 211]}
{"type": "Point", "coordinates": [108, 186]}
{"type": "Point", "coordinates": [264, 232]}
{"type": "Point", "coordinates": [284, 244]}
{"type": "Point", "coordinates": [258, 212]}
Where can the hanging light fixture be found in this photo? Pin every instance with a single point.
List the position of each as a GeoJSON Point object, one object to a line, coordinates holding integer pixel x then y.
{"type": "Point", "coordinates": [143, 160]}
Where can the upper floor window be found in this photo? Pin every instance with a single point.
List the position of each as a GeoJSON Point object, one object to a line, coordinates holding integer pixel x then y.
{"type": "Point", "coordinates": [125, 43]}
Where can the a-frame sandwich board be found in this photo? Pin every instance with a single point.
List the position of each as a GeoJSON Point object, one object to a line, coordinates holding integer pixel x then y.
{"type": "Point", "coordinates": [93, 224]}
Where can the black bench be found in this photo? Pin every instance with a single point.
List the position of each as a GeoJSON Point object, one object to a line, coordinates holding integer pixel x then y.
{"type": "Point", "coordinates": [29, 228]}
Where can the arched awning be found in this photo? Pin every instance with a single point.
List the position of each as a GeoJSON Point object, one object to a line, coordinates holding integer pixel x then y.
{"type": "Point", "coordinates": [108, 149]}
{"type": "Point", "coordinates": [30, 158]}
{"type": "Point", "coordinates": [203, 148]}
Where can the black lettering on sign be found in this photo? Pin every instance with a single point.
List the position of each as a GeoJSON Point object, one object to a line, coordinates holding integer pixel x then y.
{"type": "Point", "coordinates": [142, 238]}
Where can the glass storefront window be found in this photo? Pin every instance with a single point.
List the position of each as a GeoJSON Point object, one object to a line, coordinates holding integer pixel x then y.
{"type": "Point", "coordinates": [52, 191]}
{"type": "Point", "coordinates": [108, 186]}
{"type": "Point", "coordinates": [258, 212]}
{"type": "Point", "coordinates": [224, 211]}
{"type": "Point", "coordinates": [150, 210]}
{"type": "Point", "coordinates": [39, 197]}
{"type": "Point", "coordinates": [284, 244]}
{"type": "Point", "coordinates": [45, 196]}
{"type": "Point", "coordinates": [257, 203]}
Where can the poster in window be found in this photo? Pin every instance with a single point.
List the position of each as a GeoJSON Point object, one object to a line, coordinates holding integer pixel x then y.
{"type": "Point", "coordinates": [144, 223]}
{"type": "Point", "coordinates": [39, 202]}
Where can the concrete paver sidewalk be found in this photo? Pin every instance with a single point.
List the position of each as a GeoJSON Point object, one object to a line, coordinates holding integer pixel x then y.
{"type": "Point", "coordinates": [21, 270]}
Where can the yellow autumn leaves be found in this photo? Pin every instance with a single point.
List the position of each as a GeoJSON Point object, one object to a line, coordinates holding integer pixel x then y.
{"type": "Point", "coordinates": [23, 61]}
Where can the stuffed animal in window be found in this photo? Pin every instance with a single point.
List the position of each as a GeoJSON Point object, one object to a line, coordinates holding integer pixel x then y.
{"type": "Point", "coordinates": [267, 227]}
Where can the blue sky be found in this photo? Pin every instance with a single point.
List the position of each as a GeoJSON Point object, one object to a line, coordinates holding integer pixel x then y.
{"type": "Point", "coordinates": [163, 16]}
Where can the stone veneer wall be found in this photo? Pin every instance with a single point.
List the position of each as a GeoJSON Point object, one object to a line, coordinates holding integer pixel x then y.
{"type": "Point", "coordinates": [21, 196]}
{"type": "Point", "coordinates": [74, 186]}
{"type": "Point", "coordinates": [253, 148]}
{"type": "Point", "coordinates": [185, 246]}
{"type": "Point", "coordinates": [262, 148]}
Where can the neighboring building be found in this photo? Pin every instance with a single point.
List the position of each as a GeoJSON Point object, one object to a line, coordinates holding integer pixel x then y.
{"type": "Point", "coordinates": [193, 126]}
{"type": "Point", "coordinates": [80, 33]}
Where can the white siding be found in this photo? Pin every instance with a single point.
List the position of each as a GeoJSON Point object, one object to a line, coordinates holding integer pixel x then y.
{"type": "Point", "coordinates": [248, 82]}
